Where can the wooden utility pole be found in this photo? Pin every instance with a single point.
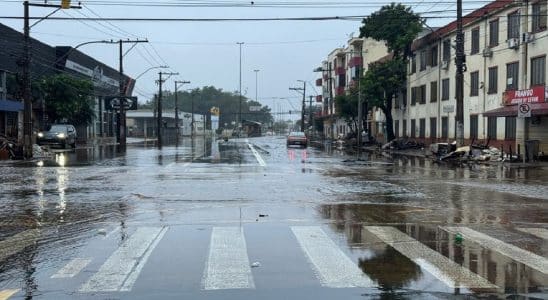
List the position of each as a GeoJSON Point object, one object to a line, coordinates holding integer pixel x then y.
{"type": "Point", "coordinates": [459, 77]}
{"type": "Point", "coordinates": [159, 107]}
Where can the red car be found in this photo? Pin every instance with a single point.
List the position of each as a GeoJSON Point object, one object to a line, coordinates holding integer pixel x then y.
{"type": "Point", "coordinates": [297, 138]}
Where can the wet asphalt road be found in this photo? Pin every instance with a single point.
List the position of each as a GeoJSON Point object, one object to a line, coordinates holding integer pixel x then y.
{"type": "Point", "coordinates": [249, 219]}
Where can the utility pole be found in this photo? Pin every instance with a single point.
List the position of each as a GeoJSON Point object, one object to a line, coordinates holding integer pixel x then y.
{"type": "Point", "coordinates": [122, 100]}
{"type": "Point", "coordinates": [459, 61]}
{"type": "Point", "coordinates": [177, 108]}
{"type": "Point", "coordinates": [360, 108]}
{"type": "Point", "coordinates": [159, 109]}
{"type": "Point", "coordinates": [240, 90]}
{"type": "Point", "coordinates": [303, 89]}
{"type": "Point", "coordinates": [25, 64]}
{"type": "Point", "coordinates": [256, 85]}
{"type": "Point", "coordinates": [310, 111]}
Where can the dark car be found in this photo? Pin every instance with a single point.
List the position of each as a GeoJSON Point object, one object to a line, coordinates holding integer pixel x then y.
{"type": "Point", "coordinates": [297, 138]}
{"type": "Point", "coordinates": [59, 134]}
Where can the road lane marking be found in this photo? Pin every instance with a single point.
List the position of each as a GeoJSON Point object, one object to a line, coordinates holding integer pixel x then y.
{"type": "Point", "coordinates": [527, 258]}
{"type": "Point", "coordinates": [72, 268]}
{"type": "Point", "coordinates": [124, 262]}
{"type": "Point", "coordinates": [6, 294]}
{"type": "Point", "coordinates": [227, 265]}
{"type": "Point", "coordinates": [258, 156]}
{"type": "Point", "coordinates": [444, 269]}
{"type": "Point", "coordinates": [334, 268]}
{"type": "Point", "coordinates": [18, 242]}
{"type": "Point", "coordinates": [538, 232]}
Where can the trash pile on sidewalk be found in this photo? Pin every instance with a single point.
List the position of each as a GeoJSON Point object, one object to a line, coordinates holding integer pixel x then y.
{"type": "Point", "coordinates": [477, 153]}
{"type": "Point", "coordinates": [402, 144]}
{"type": "Point", "coordinates": [39, 152]}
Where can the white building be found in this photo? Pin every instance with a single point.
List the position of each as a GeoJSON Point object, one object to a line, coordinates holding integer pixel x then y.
{"type": "Point", "coordinates": [505, 47]}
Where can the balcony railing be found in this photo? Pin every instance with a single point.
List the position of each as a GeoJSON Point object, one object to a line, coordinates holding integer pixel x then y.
{"type": "Point", "coordinates": [319, 82]}
{"type": "Point", "coordinates": [355, 61]}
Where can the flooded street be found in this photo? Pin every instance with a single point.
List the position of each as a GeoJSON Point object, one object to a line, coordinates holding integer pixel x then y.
{"type": "Point", "coordinates": [252, 218]}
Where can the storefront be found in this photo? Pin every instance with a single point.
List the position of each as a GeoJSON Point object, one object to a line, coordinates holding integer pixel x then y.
{"type": "Point", "coordinates": [529, 107]}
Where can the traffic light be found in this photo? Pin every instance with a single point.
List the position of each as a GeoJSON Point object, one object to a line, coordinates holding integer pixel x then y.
{"type": "Point", "coordinates": [289, 112]}
{"type": "Point", "coordinates": [65, 4]}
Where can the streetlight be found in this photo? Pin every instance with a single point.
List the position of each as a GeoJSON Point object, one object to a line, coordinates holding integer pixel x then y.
{"type": "Point", "coordinates": [256, 85]}
{"type": "Point", "coordinates": [151, 68]}
{"type": "Point", "coordinates": [304, 99]}
{"type": "Point", "coordinates": [240, 90]}
{"type": "Point", "coordinates": [177, 108]}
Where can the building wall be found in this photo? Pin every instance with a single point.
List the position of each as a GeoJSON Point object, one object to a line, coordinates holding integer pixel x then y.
{"type": "Point", "coordinates": [475, 62]}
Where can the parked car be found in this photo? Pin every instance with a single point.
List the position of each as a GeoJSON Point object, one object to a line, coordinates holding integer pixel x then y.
{"type": "Point", "coordinates": [59, 134]}
{"type": "Point", "coordinates": [297, 138]}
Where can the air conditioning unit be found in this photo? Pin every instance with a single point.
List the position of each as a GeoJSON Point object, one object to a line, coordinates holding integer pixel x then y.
{"type": "Point", "coordinates": [513, 43]}
{"type": "Point", "coordinates": [487, 52]}
{"type": "Point", "coordinates": [528, 37]}
{"type": "Point", "coordinates": [445, 64]}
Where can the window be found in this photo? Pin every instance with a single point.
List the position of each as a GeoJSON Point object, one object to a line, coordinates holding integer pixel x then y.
{"type": "Point", "coordinates": [446, 55]}
{"type": "Point", "coordinates": [538, 70]}
{"type": "Point", "coordinates": [510, 128]}
{"type": "Point", "coordinates": [433, 128]}
{"type": "Point", "coordinates": [445, 89]}
{"type": "Point", "coordinates": [539, 16]}
{"type": "Point", "coordinates": [422, 128]}
{"type": "Point", "coordinates": [413, 95]}
{"type": "Point", "coordinates": [434, 56]}
{"type": "Point", "coordinates": [474, 83]}
{"type": "Point", "coordinates": [474, 127]}
{"type": "Point", "coordinates": [493, 80]}
{"type": "Point", "coordinates": [512, 76]}
{"type": "Point", "coordinates": [513, 25]}
{"type": "Point", "coordinates": [494, 33]}
{"type": "Point", "coordinates": [404, 128]}
{"type": "Point", "coordinates": [444, 127]}
{"type": "Point", "coordinates": [422, 94]}
{"type": "Point", "coordinates": [492, 128]}
{"type": "Point", "coordinates": [433, 91]}
{"type": "Point", "coordinates": [413, 64]}
{"type": "Point", "coordinates": [397, 128]}
{"type": "Point", "coordinates": [413, 128]}
{"type": "Point", "coordinates": [423, 60]}
{"type": "Point", "coordinates": [475, 41]}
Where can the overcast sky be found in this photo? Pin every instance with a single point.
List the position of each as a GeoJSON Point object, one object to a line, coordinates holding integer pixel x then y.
{"type": "Point", "coordinates": [206, 53]}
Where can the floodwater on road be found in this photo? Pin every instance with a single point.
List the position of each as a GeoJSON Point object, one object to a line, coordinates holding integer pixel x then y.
{"type": "Point", "coordinates": [320, 223]}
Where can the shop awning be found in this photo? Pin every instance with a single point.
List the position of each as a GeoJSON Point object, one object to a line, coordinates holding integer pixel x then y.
{"type": "Point", "coordinates": [10, 105]}
{"type": "Point", "coordinates": [537, 109]}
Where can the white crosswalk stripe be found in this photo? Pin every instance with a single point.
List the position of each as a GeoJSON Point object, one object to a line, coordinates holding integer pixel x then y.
{"type": "Point", "coordinates": [123, 266]}
{"type": "Point", "coordinates": [527, 258]}
{"type": "Point", "coordinates": [227, 264]}
{"type": "Point", "coordinates": [72, 268]}
{"type": "Point", "coordinates": [334, 268]}
{"type": "Point", "coordinates": [446, 270]}
{"type": "Point", "coordinates": [538, 232]}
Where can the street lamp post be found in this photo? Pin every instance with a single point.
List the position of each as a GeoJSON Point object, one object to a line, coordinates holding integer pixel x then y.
{"type": "Point", "coordinates": [177, 109]}
{"type": "Point", "coordinates": [240, 89]}
{"type": "Point", "coordinates": [303, 89]}
{"type": "Point", "coordinates": [256, 85]}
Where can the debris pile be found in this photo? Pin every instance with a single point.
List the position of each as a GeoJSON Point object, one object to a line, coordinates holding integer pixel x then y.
{"type": "Point", "coordinates": [402, 144]}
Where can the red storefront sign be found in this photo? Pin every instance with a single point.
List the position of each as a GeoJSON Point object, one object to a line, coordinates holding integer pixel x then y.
{"type": "Point", "coordinates": [532, 95]}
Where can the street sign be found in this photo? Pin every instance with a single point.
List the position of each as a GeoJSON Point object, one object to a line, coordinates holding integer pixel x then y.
{"type": "Point", "coordinates": [448, 108]}
{"type": "Point", "coordinates": [113, 102]}
{"type": "Point", "coordinates": [524, 110]}
{"type": "Point", "coordinates": [255, 108]}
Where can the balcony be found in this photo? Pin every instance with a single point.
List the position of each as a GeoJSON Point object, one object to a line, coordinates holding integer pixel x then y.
{"type": "Point", "coordinates": [355, 61]}
{"type": "Point", "coordinates": [319, 82]}
{"type": "Point", "coordinates": [319, 98]}
{"type": "Point", "coordinates": [340, 71]}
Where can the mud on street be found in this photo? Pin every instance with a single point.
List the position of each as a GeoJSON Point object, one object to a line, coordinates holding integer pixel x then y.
{"type": "Point", "coordinates": [234, 220]}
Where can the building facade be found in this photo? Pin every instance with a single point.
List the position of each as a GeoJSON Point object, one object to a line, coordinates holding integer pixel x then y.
{"type": "Point", "coordinates": [46, 61]}
{"type": "Point", "coordinates": [505, 48]}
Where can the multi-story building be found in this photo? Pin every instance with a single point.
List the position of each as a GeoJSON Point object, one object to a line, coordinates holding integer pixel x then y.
{"type": "Point", "coordinates": [505, 48]}
{"type": "Point", "coordinates": [340, 72]}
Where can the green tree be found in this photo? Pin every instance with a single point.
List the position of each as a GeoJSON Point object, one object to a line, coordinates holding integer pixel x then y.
{"type": "Point", "coordinates": [347, 108]}
{"type": "Point", "coordinates": [68, 98]}
{"type": "Point", "coordinates": [396, 25]}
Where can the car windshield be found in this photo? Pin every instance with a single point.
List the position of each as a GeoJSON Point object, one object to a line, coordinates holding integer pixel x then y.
{"type": "Point", "coordinates": [298, 134]}
{"type": "Point", "coordinates": [58, 129]}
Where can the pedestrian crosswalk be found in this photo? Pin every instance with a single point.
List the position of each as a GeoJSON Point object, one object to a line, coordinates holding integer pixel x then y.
{"type": "Point", "coordinates": [227, 264]}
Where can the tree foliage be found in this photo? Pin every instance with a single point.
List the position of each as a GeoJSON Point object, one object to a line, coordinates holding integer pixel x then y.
{"type": "Point", "coordinates": [396, 24]}
{"type": "Point", "coordinates": [68, 98]}
{"type": "Point", "coordinates": [347, 108]}
{"type": "Point", "coordinates": [207, 97]}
